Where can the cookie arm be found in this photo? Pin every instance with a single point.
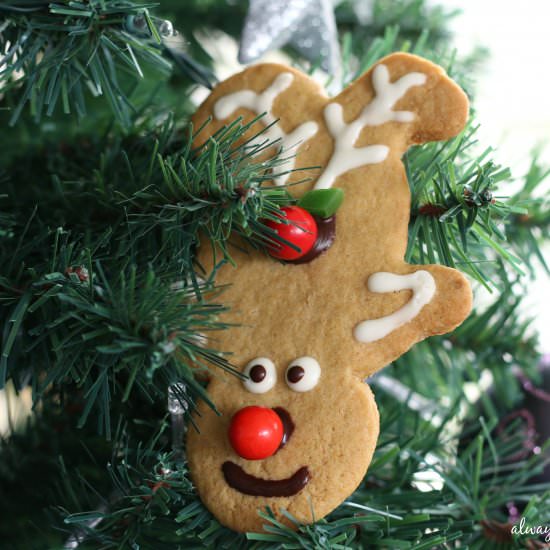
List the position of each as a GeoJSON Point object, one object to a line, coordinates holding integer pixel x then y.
{"type": "Point", "coordinates": [440, 298]}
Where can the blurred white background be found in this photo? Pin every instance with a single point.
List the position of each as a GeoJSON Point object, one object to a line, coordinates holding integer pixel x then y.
{"type": "Point", "coordinates": [513, 94]}
{"type": "Point", "coordinates": [513, 99]}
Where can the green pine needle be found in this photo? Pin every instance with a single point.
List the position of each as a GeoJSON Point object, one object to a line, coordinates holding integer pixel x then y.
{"type": "Point", "coordinates": [56, 53]}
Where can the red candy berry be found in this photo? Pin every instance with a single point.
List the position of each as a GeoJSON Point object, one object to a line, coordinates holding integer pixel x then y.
{"type": "Point", "coordinates": [255, 432]}
{"type": "Point", "coordinates": [301, 232]}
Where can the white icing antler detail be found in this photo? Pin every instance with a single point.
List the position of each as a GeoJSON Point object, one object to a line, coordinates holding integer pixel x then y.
{"type": "Point", "coordinates": [261, 103]}
{"type": "Point", "coordinates": [423, 288]}
{"type": "Point", "coordinates": [345, 156]}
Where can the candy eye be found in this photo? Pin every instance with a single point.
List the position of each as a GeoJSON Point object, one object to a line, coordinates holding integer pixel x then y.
{"type": "Point", "coordinates": [261, 375]}
{"type": "Point", "coordinates": [303, 374]}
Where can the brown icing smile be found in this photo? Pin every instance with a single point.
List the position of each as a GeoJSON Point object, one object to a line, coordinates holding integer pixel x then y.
{"type": "Point", "coordinates": [247, 484]}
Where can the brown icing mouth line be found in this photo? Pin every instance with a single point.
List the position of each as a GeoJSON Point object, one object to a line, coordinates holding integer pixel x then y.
{"type": "Point", "coordinates": [254, 486]}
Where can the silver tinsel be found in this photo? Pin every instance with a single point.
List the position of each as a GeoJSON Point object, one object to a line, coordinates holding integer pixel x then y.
{"type": "Point", "coordinates": [177, 407]}
{"type": "Point", "coordinates": [307, 25]}
{"type": "Point", "coordinates": [177, 404]}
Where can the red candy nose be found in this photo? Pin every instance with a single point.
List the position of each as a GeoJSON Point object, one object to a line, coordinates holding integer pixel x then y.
{"type": "Point", "coordinates": [255, 432]}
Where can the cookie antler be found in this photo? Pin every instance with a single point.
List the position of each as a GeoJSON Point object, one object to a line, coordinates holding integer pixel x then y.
{"type": "Point", "coordinates": [261, 103]}
{"type": "Point", "coordinates": [346, 155]}
{"type": "Point", "coordinates": [404, 81]}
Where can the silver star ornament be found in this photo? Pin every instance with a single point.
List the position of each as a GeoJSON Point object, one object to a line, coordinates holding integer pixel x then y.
{"type": "Point", "coordinates": [307, 25]}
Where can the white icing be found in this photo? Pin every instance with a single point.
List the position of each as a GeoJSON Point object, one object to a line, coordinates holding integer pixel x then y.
{"type": "Point", "coordinates": [312, 373]}
{"type": "Point", "coordinates": [270, 375]}
{"type": "Point", "coordinates": [423, 288]}
{"type": "Point", "coordinates": [261, 103]}
{"type": "Point", "coordinates": [345, 155]}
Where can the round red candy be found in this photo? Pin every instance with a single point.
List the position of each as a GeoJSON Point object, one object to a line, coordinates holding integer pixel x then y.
{"type": "Point", "coordinates": [301, 232]}
{"type": "Point", "coordinates": [255, 432]}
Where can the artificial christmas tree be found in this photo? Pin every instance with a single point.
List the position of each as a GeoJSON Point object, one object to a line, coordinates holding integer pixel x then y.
{"type": "Point", "coordinates": [105, 312]}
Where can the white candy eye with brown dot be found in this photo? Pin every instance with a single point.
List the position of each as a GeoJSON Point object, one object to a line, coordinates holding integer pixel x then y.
{"type": "Point", "coordinates": [261, 375]}
{"type": "Point", "coordinates": [303, 374]}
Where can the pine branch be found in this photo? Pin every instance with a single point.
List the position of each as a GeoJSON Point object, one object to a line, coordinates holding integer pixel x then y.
{"type": "Point", "coordinates": [85, 297]}
{"type": "Point", "coordinates": [110, 337]}
{"type": "Point", "coordinates": [155, 192]}
{"type": "Point", "coordinates": [455, 214]}
{"type": "Point", "coordinates": [494, 339]}
{"type": "Point", "coordinates": [156, 504]}
{"type": "Point", "coordinates": [54, 54]}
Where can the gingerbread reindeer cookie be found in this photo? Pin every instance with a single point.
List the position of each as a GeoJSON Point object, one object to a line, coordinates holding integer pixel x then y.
{"type": "Point", "coordinates": [299, 432]}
